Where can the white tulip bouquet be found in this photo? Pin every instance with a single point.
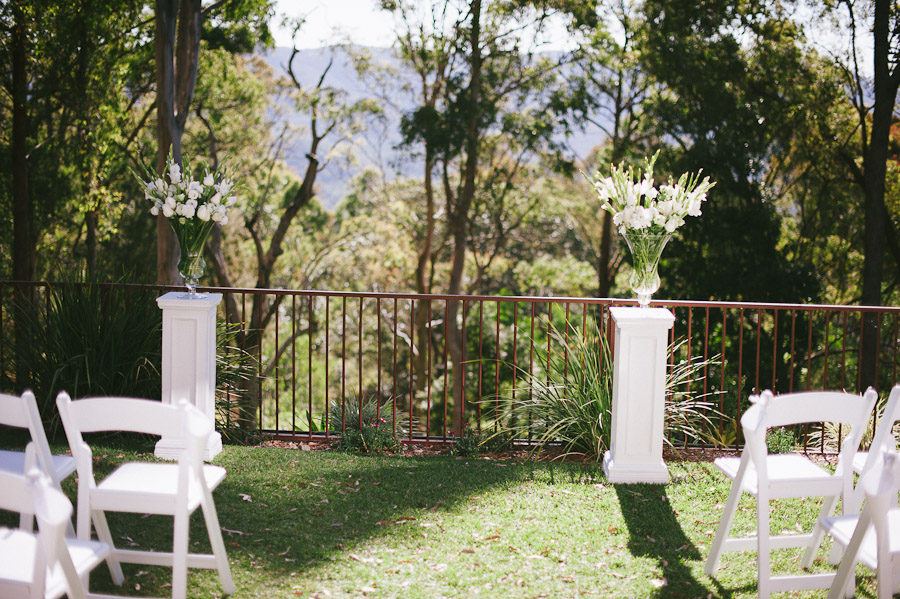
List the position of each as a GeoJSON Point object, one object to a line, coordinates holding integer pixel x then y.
{"type": "Point", "coordinates": [636, 204]}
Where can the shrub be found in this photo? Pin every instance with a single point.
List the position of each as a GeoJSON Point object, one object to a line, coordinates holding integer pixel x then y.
{"type": "Point", "coordinates": [468, 444]}
{"type": "Point", "coordinates": [367, 426]}
{"type": "Point", "coordinates": [780, 440]}
{"type": "Point", "coordinates": [571, 402]}
{"type": "Point", "coordinates": [90, 339]}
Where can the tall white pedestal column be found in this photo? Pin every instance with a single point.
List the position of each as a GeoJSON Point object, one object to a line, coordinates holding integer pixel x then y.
{"type": "Point", "coordinates": [639, 378]}
{"type": "Point", "coordinates": [189, 361]}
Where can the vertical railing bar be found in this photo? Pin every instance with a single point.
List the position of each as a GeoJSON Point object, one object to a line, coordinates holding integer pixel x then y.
{"type": "Point", "coordinates": [343, 363]}
{"type": "Point", "coordinates": [497, 368]}
{"type": "Point", "coordinates": [566, 347]}
{"type": "Point", "coordinates": [844, 353]}
{"type": "Point", "coordinates": [859, 355]}
{"type": "Point", "coordinates": [480, 359]}
{"type": "Point", "coordinates": [446, 366]}
{"type": "Point", "coordinates": [412, 367]}
{"type": "Point", "coordinates": [584, 311]}
{"type": "Point", "coordinates": [429, 342]}
{"type": "Point", "coordinates": [327, 351]}
{"type": "Point", "coordinates": [531, 354]}
{"type": "Point", "coordinates": [259, 360]}
{"type": "Point", "coordinates": [549, 335]}
{"type": "Point", "coordinates": [793, 347]}
{"type": "Point", "coordinates": [378, 337]}
{"type": "Point", "coordinates": [690, 339]}
{"type": "Point", "coordinates": [877, 346]}
{"type": "Point", "coordinates": [774, 349]}
{"type": "Point", "coordinates": [277, 369]}
{"type": "Point", "coordinates": [309, 363]}
{"type": "Point", "coordinates": [827, 346]}
{"type": "Point", "coordinates": [740, 363]}
{"type": "Point", "coordinates": [394, 382]}
{"type": "Point", "coordinates": [894, 343]}
{"type": "Point", "coordinates": [515, 360]}
{"type": "Point", "coordinates": [722, 385]}
{"type": "Point", "coordinates": [809, 351]}
{"type": "Point", "coordinates": [462, 369]}
{"type": "Point", "coordinates": [759, 317]}
{"type": "Point", "coordinates": [359, 362]}
{"type": "Point", "coordinates": [293, 366]}
{"type": "Point", "coordinates": [706, 353]}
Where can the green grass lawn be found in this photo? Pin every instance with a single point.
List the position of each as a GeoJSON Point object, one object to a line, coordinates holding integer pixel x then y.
{"type": "Point", "coordinates": [326, 524]}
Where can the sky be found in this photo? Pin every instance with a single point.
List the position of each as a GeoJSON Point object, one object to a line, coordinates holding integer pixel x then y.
{"type": "Point", "coordinates": [331, 21]}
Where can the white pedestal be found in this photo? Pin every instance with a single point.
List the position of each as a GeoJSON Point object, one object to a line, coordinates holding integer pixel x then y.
{"type": "Point", "coordinates": [639, 377]}
{"type": "Point", "coordinates": [189, 361]}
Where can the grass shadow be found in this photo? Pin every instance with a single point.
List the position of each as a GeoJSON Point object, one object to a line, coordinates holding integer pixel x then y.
{"type": "Point", "coordinates": [654, 532]}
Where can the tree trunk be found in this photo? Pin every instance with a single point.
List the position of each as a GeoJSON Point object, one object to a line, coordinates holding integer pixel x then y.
{"type": "Point", "coordinates": [458, 218]}
{"type": "Point", "coordinates": [422, 280]}
{"type": "Point", "coordinates": [875, 161]}
{"type": "Point", "coordinates": [24, 252]}
{"type": "Point", "coordinates": [174, 90]}
{"type": "Point", "coordinates": [24, 237]}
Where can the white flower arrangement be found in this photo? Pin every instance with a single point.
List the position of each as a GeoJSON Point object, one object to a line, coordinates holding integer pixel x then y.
{"type": "Point", "coordinates": [636, 204]}
{"type": "Point", "coordinates": [192, 206]}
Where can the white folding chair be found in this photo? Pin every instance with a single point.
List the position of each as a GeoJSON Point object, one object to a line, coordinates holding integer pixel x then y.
{"type": "Point", "coordinates": [873, 537]}
{"type": "Point", "coordinates": [769, 477]}
{"type": "Point", "coordinates": [47, 564]}
{"type": "Point", "coordinates": [148, 488]}
{"type": "Point", "coordinates": [22, 412]}
{"type": "Point", "coordinates": [882, 441]}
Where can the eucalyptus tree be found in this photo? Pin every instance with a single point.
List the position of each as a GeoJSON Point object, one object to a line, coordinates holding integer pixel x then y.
{"type": "Point", "coordinates": [481, 76]}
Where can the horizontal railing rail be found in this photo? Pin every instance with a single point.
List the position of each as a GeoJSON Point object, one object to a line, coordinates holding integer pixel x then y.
{"type": "Point", "coordinates": [317, 358]}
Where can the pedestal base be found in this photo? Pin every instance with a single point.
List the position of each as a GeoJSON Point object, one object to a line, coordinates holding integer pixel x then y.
{"type": "Point", "coordinates": [171, 449]}
{"type": "Point", "coordinates": [653, 473]}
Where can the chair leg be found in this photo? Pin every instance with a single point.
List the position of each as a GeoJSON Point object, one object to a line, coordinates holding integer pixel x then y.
{"type": "Point", "coordinates": [818, 533]}
{"type": "Point", "coordinates": [179, 554]}
{"type": "Point", "coordinates": [763, 534]}
{"type": "Point", "coordinates": [715, 551]}
{"type": "Point", "coordinates": [217, 543]}
{"type": "Point", "coordinates": [99, 519]}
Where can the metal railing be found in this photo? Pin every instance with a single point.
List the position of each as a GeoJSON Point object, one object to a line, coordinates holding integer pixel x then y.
{"type": "Point", "coordinates": [315, 349]}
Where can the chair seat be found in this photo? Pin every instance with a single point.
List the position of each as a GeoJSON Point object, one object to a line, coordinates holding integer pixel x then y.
{"type": "Point", "coordinates": [14, 462]}
{"type": "Point", "coordinates": [789, 471]}
{"type": "Point", "coordinates": [141, 487]}
{"type": "Point", "coordinates": [842, 527]}
{"type": "Point", "coordinates": [18, 554]}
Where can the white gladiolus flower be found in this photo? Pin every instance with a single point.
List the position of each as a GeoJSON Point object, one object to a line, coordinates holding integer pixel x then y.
{"type": "Point", "coordinates": [179, 209]}
{"type": "Point", "coordinates": [170, 202]}
{"type": "Point", "coordinates": [168, 211]}
{"type": "Point", "coordinates": [673, 223]}
{"type": "Point", "coordinates": [203, 213]}
{"type": "Point", "coordinates": [641, 218]}
{"type": "Point", "coordinates": [154, 210]}
{"type": "Point", "coordinates": [209, 180]}
{"type": "Point", "coordinates": [194, 189]}
{"type": "Point", "coordinates": [160, 185]}
{"type": "Point", "coordinates": [216, 216]}
{"type": "Point", "coordinates": [216, 199]}
{"type": "Point", "coordinates": [174, 173]}
{"type": "Point", "coordinates": [224, 220]}
{"type": "Point", "coordinates": [694, 210]}
{"type": "Point", "coordinates": [224, 187]}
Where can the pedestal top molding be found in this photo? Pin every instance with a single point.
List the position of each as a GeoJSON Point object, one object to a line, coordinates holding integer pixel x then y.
{"type": "Point", "coordinates": [651, 317]}
{"type": "Point", "coordinates": [180, 299]}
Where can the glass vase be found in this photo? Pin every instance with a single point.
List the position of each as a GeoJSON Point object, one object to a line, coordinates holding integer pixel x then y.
{"type": "Point", "coordinates": [191, 266]}
{"type": "Point", "coordinates": [646, 249]}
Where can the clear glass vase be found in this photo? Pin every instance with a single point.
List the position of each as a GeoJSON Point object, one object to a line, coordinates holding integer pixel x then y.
{"type": "Point", "coordinates": [191, 266]}
{"type": "Point", "coordinates": [646, 250]}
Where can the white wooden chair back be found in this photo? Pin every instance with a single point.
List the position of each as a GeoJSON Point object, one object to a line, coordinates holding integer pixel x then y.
{"type": "Point", "coordinates": [22, 412]}
{"type": "Point", "coordinates": [808, 407]}
{"type": "Point", "coordinates": [53, 572]}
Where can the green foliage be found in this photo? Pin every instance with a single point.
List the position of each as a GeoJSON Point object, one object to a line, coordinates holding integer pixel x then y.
{"type": "Point", "coordinates": [570, 401]}
{"type": "Point", "coordinates": [780, 440]}
{"type": "Point", "coordinates": [91, 340]}
{"type": "Point", "coordinates": [366, 426]}
{"type": "Point", "coordinates": [467, 444]}
{"type": "Point", "coordinates": [235, 368]}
